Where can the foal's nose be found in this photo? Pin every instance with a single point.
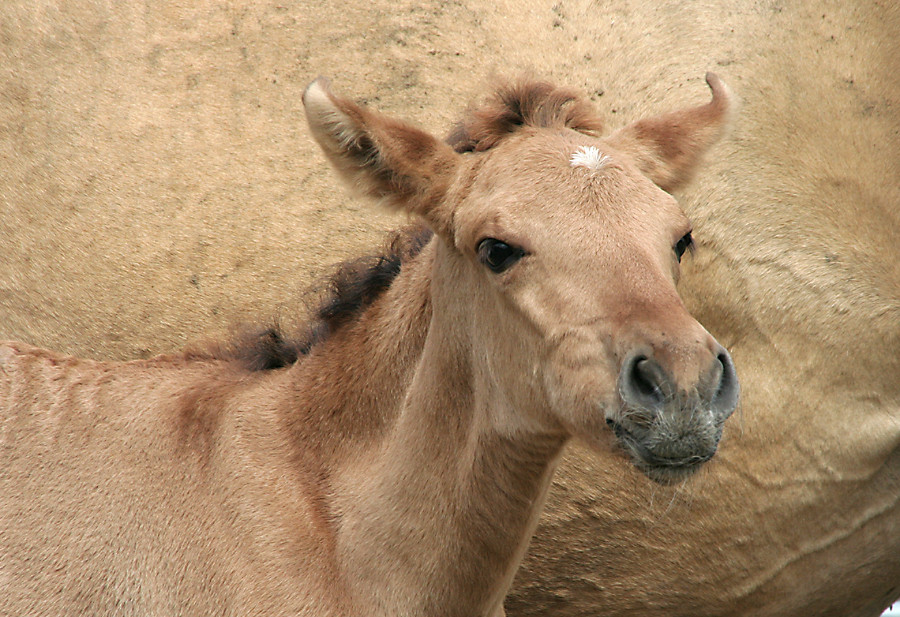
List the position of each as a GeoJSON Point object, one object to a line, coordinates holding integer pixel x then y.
{"type": "Point", "coordinates": [645, 385]}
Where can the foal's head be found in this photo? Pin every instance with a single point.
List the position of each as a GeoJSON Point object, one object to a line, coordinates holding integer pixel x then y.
{"type": "Point", "coordinates": [564, 248]}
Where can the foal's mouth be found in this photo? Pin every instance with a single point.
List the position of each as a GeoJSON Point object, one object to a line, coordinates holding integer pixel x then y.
{"type": "Point", "coordinates": [662, 469]}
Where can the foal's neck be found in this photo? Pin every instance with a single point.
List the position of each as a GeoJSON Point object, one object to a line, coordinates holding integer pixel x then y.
{"type": "Point", "coordinates": [435, 516]}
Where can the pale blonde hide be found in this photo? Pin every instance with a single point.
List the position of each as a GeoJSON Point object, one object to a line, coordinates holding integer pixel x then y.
{"type": "Point", "coordinates": [118, 119]}
{"type": "Point", "coordinates": [399, 466]}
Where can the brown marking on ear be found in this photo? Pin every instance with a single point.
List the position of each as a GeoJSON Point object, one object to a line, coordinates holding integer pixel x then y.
{"type": "Point", "coordinates": [381, 157]}
{"type": "Point", "coordinates": [668, 148]}
{"type": "Point", "coordinates": [523, 103]}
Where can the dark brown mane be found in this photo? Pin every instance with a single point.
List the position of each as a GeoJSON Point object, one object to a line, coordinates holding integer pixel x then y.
{"type": "Point", "coordinates": [359, 282]}
{"type": "Point", "coordinates": [354, 286]}
{"type": "Point", "coordinates": [523, 103]}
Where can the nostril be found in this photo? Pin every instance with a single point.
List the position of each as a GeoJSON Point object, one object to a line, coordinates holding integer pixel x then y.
{"type": "Point", "coordinates": [726, 397]}
{"type": "Point", "coordinates": [643, 380]}
{"type": "Point", "coordinates": [724, 359]}
{"type": "Point", "coordinates": [641, 383]}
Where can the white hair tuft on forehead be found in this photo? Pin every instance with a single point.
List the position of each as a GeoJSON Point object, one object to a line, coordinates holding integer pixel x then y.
{"type": "Point", "coordinates": [589, 157]}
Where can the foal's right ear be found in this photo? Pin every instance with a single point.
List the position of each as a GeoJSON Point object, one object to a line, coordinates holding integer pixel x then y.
{"type": "Point", "coordinates": [668, 148]}
{"type": "Point", "coordinates": [383, 158]}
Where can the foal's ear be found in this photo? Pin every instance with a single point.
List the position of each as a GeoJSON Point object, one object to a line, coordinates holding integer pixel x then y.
{"type": "Point", "coordinates": [668, 148]}
{"type": "Point", "coordinates": [381, 157]}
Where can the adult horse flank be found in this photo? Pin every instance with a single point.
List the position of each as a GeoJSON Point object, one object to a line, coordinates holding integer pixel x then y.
{"type": "Point", "coordinates": [395, 461]}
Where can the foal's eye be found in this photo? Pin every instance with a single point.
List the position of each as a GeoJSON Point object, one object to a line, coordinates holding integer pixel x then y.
{"type": "Point", "coordinates": [498, 255]}
{"type": "Point", "coordinates": [686, 243]}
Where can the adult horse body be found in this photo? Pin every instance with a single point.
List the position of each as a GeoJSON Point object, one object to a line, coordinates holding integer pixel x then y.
{"type": "Point", "coordinates": [395, 462]}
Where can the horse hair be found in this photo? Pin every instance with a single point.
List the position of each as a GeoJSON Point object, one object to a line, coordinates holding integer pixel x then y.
{"type": "Point", "coordinates": [523, 103]}
{"type": "Point", "coordinates": [353, 287]}
{"type": "Point", "coordinates": [357, 283]}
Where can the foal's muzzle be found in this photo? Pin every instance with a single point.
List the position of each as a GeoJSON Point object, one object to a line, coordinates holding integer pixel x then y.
{"type": "Point", "coordinates": [669, 430]}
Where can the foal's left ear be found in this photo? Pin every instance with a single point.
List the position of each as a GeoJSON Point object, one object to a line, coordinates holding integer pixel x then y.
{"type": "Point", "coordinates": [380, 157]}
{"type": "Point", "coordinates": [668, 148]}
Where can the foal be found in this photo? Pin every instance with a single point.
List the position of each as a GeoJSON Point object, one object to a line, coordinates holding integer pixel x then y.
{"type": "Point", "coordinates": [397, 462]}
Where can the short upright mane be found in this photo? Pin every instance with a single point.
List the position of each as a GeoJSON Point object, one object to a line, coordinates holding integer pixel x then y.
{"type": "Point", "coordinates": [353, 287]}
{"type": "Point", "coordinates": [359, 282]}
{"type": "Point", "coordinates": [523, 103]}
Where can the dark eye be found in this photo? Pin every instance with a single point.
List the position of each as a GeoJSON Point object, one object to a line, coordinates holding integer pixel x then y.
{"type": "Point", "coordinates": [498, 255]}
{"type": "Point", "coordinates": [686, 243]}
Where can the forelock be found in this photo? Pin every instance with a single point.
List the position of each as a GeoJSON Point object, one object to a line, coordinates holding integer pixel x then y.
{"type": "Point", "coordinates": [523, 103]}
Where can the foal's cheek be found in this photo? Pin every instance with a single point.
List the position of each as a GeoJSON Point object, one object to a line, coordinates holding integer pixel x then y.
{"type": "Point", "coordinates": [581, 396]}
{"type": "Point", "coordinates": [595, 434]}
